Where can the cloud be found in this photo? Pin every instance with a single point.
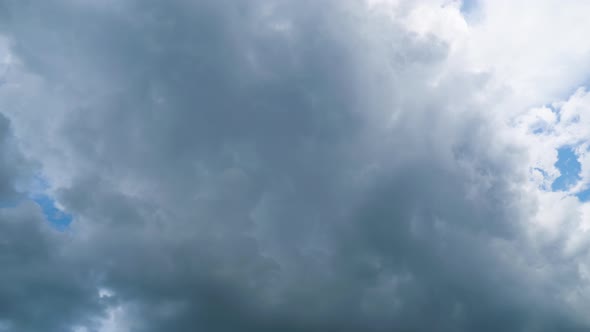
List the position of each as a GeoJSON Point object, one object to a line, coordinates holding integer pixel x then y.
{"type": "Point", "coordinates": [40, 289]}
{"type": "Point", "coordinates": [276, 165]}
{"type": "Point", "coordinates": [13, 166]}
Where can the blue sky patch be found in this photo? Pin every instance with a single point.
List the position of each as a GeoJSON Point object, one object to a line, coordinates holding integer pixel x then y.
{"type": "Point", "coordinates": [54, 215]}
{"type": "Point", "coordinates": [468, 6]}
{"type": "Point", "coordinates": [584, 196]}
{"type": "Point", "coordinates": [569, 167]}
{"type": "Point", "coordinates": [37, 192]}
{"type": "Point", "coordinates": [38, 189]}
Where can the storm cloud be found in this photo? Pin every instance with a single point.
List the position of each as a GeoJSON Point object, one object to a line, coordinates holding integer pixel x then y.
{"type": "Point", "coordinates": [269, 166]}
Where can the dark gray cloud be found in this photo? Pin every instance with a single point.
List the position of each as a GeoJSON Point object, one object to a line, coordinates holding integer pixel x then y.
{"type": "Point", "coordinates": [39, 289]}
{"type": "Point", "coordinates": [265, 166]}
{"type": "Point", "coordinates": [12, 164]}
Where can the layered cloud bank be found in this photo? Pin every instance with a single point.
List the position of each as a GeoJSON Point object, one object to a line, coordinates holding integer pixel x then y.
{"type": "Point", "coordinates": [294, 165]}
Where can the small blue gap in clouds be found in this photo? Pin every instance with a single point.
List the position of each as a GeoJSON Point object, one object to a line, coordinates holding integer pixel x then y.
{"type": "Point", "coordinates": [37, 192]}
{"type": "Point", "coordinates": [467, 6]}
{"type": "Point", "coordinates": [584, 196]}
{"type": "Point", "coordinates": [569, 167]}
{"type": "Point", "coordinates": [55, 216]}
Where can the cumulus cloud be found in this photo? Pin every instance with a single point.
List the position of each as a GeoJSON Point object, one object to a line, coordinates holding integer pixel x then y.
{"type": "Point", "coordinates": [283, 165]}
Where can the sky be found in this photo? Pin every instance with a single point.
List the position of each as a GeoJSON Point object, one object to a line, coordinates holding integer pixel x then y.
{"type": "Point", "coordinates": [294, 165]}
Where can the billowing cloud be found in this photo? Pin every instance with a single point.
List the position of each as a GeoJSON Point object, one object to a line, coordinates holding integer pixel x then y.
{"type": "Point", "coordinates": [284, 166]}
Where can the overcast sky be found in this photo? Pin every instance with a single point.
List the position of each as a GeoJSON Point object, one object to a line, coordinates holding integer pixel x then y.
{"type": "Point", "coordinates": [294, 165]}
